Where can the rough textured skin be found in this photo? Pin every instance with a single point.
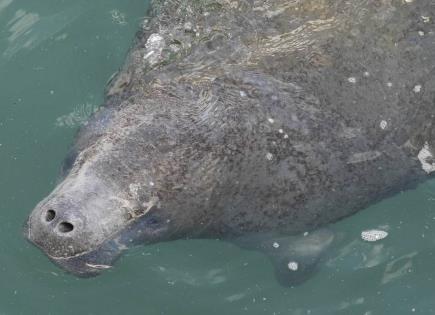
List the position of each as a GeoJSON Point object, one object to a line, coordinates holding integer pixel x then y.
{"type": "Point", "coordinates": [233, 117]}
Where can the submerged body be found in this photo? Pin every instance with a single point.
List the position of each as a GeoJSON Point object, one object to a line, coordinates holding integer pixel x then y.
{"type": "Point", "coordinates": [241, 117]}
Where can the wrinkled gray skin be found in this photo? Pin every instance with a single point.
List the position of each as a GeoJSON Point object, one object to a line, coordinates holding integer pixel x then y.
{"type": "Point", "coordinates": [238, 117]}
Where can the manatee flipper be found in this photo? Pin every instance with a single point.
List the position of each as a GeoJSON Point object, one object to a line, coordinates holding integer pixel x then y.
{"type": "Point", "coordinates": [295, 258]}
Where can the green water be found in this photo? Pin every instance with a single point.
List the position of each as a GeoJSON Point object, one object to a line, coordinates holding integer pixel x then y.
{"type": "Point", "coordinates": [55, 58]}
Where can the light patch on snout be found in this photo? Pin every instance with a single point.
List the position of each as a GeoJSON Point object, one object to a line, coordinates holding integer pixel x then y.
{"type": "Point", "coordinates": [426, 159]}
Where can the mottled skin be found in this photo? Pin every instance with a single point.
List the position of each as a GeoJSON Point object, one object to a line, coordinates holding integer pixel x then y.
{"type": "Point", "coordinates": [235, 117]}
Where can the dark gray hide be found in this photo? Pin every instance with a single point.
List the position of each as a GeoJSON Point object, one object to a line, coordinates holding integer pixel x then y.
{"type": "Point", "coordinates": [238, 117]}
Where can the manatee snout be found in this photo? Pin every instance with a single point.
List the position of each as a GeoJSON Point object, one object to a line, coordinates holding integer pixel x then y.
{"type": "Point", "coordinates": [60, 227]}
{"type": "Point", "coordinates": [77, 224]}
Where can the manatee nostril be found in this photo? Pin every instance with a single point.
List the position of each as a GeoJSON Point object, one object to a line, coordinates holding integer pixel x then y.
{"type": "Point", "coordinates": [50, 215]}
{"type": "Point", "coordinates": [65, 227]}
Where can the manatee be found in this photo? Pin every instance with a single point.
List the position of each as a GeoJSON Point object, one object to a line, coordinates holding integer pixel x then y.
{"type": "Point", "coordinates": [256, 122]}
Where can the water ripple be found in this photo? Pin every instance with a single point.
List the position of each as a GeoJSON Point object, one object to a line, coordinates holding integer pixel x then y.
{"type": "Point", "coordinates": [29, 29]}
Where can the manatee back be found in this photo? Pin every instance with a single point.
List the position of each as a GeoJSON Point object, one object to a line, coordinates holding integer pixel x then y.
{"type": "Point", "coordinates": [301, 113]}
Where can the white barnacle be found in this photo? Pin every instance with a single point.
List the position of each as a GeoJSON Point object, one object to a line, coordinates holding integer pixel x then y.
{"type": "Point", "coordinates": [366, 74]}
{"type": "Point", "coordinates": [242, 93]}
{"type": "Point", "coordinates": [271, 120]}
{"type": "Point", "coordinates": [383, 124]}
{"type": "Point", "coordinates": [280, 130]}
{"type": "Point", "coordinates": [351, 80]}
{"type": "Point", "coordinates": [286, 136]}
{"type": "Point", "coordinates": [417, 88]}
{"type": "Point", "coordinates": [409, 1]}
{"type": "Point", "coordinates": [155, 41]}
{"type": "Point", "coordinates": [425, 157]}
{"type": "Point", "coordinates": [154, 47]}
{"type": "Point", "coordinates": [275, 245]}
{"type": "Point", "coordinates": [426, 19]}
{"type": "Point", "coordinates": [373, 235]}
{"type": "Point", "coordinates": [269, 156]}
{"type": "Point", "coordinates": [151, 183]}
{"type": "Point", "coordinates": [421, 33]}
{"type": "Point", "coordinates": [293, 266]}
{"type": "Point", "coordinates": [389, 84]}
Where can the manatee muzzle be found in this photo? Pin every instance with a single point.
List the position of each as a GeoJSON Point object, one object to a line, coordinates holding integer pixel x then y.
{"type": "Point", "coordinates": [89, 263]}
{"type": "Point", "coordinates": [85, 224]}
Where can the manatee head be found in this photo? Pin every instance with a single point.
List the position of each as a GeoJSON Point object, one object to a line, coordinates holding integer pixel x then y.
{"type": "Point", "coordinates": [87, 221]}
{"type": "Point", "coordinates": [119, 191]}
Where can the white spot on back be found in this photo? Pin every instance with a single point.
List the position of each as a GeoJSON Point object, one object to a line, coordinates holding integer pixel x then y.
{"type": "Point", "coordinates": [426, 19]}
{"type": "Point", "coordinates": [425, 157]}
{"type": "Point", "coordinates": [383, 124]}
{"type": "Point", "coordinates": [373, 235]}
{"type": "Point", "coordinates": [154, 47]}
{"type": "Point", "coordinates": [293, 265]}
{"type": "Point", "coordinates": [417, 88]}
{"type": "Point", "coordinates": [351, 79]}
{"type": "Point", "coordinates": [269, 156]}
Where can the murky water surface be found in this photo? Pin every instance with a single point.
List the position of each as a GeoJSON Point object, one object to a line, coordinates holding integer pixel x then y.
{"type": "Point", "coordinates": [55, 58]}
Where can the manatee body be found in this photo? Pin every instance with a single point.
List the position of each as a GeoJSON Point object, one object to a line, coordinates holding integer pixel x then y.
{"type": "Point", "coordinates": [231, 118]}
